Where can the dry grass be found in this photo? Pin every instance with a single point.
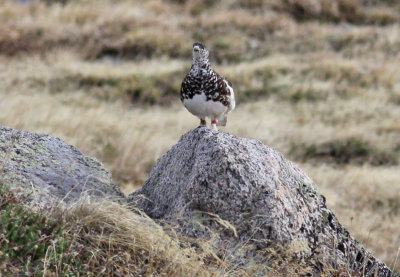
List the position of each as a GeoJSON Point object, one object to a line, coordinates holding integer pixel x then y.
{"type": "Point", "coordinates": [127, 244]}
{"type": "Point", "coordinates": [108, 239]}
{"type": "Point", "coordinates": [105, 78]}
{"type": "Point", "coordinates": [366, 200]}
{"type": "Point", "coordinates": [91, 239]}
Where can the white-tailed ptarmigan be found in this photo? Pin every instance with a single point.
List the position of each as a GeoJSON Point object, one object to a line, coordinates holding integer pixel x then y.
{"type": "Point", "coordinates": [204, 92]}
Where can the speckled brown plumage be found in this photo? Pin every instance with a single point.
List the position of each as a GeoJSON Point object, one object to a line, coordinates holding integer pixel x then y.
{"type": "Point", "coordinates": [209, 86]}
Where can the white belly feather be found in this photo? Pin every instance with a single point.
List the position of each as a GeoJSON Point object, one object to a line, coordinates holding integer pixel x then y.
{"type": "Point", "coordinates": [200, 107]}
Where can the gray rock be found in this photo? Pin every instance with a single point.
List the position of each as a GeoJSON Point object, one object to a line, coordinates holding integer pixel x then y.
{"type": "Point", "coordinates": [49, 166]}
{"type": "Point", "coordinates": [250, 194]}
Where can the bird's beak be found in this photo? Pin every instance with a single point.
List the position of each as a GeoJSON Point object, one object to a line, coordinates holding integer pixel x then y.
{"type": "Point", "coordinates": [196, 48]}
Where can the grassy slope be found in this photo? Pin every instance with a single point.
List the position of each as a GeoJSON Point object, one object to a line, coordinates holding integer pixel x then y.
{"type": "Point", "coordinates": [90, 239]}
{"type": "Point", "coordinates": [105, 77]}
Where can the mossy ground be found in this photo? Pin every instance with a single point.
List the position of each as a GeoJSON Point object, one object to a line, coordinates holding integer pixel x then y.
{"type": "Point", "coordinates": [31, 243]}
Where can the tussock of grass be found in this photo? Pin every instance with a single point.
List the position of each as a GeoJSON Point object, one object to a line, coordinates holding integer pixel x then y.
{"type": "Point", "coordinates": [348, 10]}
{"type": "Point", "coordinates": [142, 44]}
{"type": "Point", "coordinates": [351, 150]}
{"type": "Point", "coordinates": [117, 241]}
{"type": "Point", "coordinates": [159, 89]}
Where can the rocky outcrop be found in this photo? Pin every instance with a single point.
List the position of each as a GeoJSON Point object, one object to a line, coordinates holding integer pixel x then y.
{"type": "Point", "coordinates": [249, 194]}
{"type": "Point", "coordinates": [239, 194]}
{"type": "Point", "coordinates": [51, 168]}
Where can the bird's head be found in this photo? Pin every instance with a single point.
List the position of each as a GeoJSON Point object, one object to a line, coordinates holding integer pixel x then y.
{"type": "Point", "coordinates": [200, 54]}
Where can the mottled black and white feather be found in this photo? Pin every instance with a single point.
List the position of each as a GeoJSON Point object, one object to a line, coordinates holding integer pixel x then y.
{"type": "Point", "coordinates": [204, 92]}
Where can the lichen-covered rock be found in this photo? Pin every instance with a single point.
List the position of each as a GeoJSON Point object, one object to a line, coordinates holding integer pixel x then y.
{"type": "Point", "coordinates": [212, 180]}
{"type": "Point", "coordinates": [49, 166]}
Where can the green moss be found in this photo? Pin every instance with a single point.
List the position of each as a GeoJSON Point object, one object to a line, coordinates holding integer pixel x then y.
{"type": "Point", "coordinates": [32, 242]}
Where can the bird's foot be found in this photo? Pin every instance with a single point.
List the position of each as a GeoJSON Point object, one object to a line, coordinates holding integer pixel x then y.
{"type": "Point", "coordinates": [203, 123]}
{"type": "Point", "coordinates": [214, 125]}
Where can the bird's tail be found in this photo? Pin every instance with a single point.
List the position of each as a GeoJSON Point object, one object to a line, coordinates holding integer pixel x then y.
{"type": "Point", "coordinates": [222, 120]}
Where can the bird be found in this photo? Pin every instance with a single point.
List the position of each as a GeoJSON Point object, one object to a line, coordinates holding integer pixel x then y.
{"type": "Point", "coordinates": [204, 92]}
